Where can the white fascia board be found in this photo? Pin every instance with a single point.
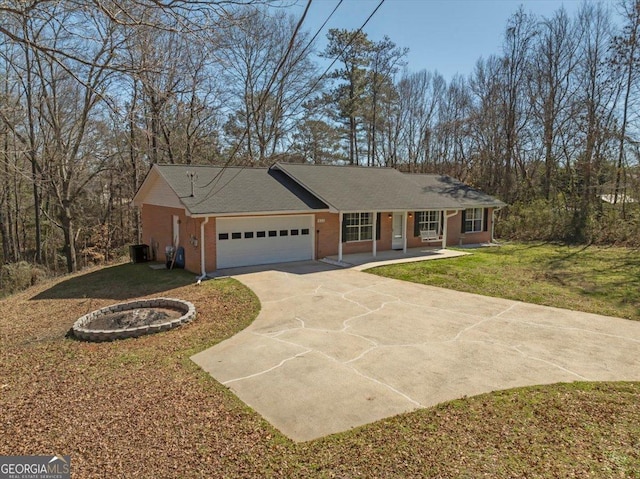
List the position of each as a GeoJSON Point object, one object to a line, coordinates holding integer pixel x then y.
{"type": "Point", "coordinates": [396, 210]}
{"type": "Point", "coordinates": [144, 187]}
{"type": "Point", "coordinates": [257, 213]}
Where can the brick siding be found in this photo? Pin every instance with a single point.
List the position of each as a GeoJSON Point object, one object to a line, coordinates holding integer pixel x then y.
{"type": "Point", "coordinates": [157, 232]}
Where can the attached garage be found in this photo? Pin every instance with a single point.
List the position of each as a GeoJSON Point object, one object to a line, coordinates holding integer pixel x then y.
{"type": "Point", "coordinates": [238, 216]}
{"type": "Point", "coordinates": [255, 240]}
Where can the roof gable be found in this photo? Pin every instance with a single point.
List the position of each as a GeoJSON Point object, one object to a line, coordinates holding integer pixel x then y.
{"type": "Point", "coordinates": [155, 190]}
{"type": "Point", "coordinates": [235, 190]}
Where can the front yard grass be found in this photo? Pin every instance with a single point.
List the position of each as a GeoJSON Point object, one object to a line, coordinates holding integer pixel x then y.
{"type": "Point", "coordinates": [141, 408]}
{"type": "Point", "coordinates": [591, 279]}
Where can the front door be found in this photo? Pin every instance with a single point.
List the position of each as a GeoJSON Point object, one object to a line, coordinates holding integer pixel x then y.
{"type": "Point", "coordinates": [397, 240]}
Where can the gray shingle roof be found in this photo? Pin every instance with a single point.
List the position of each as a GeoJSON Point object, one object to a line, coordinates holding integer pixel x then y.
{"type": "Point", "coordinates": [302, 188]}
{"type": "Point", "coordinates": [450, 193]}
{"type": "Point", "coordinates": [354, 188]}
{"type": "Point", "coordinates": [237, 190]}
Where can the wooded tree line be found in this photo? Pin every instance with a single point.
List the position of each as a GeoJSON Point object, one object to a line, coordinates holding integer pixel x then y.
{"type": "Point", "coordinates": [93, 93]}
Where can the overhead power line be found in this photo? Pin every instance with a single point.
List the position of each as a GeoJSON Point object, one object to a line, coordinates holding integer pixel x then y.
{"type": "Point", "coordinates": [213, 182]}
{"type": "Point", "coordinates": [351, 40]}
{"type": "Point", "coordinates": [263, 98]}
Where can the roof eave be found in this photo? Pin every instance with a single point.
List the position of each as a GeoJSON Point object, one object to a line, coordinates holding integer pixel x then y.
{"type": "Point", "coordinates": [258, 213]}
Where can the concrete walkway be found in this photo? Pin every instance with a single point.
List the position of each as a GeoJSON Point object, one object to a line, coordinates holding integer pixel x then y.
{"type": "Point", "coordinates": [337, 348]}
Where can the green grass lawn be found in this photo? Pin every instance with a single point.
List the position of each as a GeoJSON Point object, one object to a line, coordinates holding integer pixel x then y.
{"type": "Point", "coordinates": [592, 279]}
{"type": "Point", "coordinates": [139, 408]}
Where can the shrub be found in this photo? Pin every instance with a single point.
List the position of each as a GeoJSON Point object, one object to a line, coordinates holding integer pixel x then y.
{"type": "Point", "coordinates": [16, 277]}
{"type": "Point", "coordinates": [538, 220]}
{"type": "Point", "coordinates": [611, 227]}
{"type": "Point", "coordinates": [541, 220]}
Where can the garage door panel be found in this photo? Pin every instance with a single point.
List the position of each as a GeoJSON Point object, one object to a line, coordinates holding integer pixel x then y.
{"type": "Point", "coordinates": [264, 240]}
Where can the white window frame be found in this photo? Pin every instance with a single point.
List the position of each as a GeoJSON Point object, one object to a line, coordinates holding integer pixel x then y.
{"type": "Point", "coordinates": [473, 220]}
{"type": "Point", "coordinates": [358, 227]}
{"type": "Point", "coordinates": [429, 221]}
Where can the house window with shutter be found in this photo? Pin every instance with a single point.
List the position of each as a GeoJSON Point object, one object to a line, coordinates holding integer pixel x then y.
{"type": "Point", "coordinates": [473, 220]}
{"type": "Point", "coordinates": [358, 226]}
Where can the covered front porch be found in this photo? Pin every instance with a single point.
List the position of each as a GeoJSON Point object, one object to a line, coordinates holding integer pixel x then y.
{"type": "Point", "coordinates": [366, 260]}
{"type": "Point", "coordinates": [384, 232]}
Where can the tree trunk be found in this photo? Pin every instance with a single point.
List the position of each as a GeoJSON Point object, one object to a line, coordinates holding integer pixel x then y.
{"type": "Point", "coordinates": [32, 155]}
{"type": "Point", "coordinates": [133, 159]}
{"type": "Point", "coordinates": [352, 140]}
{"type": "Point", "coordinates": [69, 240]}
{"type": "Point", "coordinates": [623, 127]}
{"type": "Point", "coordinates": [549, 161]}
{"type": "Point", "coordinates": [5, 209]}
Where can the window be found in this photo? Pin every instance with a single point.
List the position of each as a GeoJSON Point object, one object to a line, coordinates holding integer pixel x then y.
{"type": "Point", "coordinates": [304, 231]}
{"type": "Point", "coordinates": [428, 221]}
{"type": "Point", "coordinates": [248, 234]}
{"type": "Point", "coordinates": [273, 233]}
{"type": "Point", "coordinates": [473, 220]}
{"type": "Point", "coordinates": [284, 232]}
{"type": "Point", "coordinates": [295, 232]}
{"type": "Point", "coordinates": [223, 236]}
{"type": "Point", "coordinates": [358, 226]}
{"type": "Point", "coordinates": [236, 235]}
{"type": "Point", "coordinates": [260, 234]}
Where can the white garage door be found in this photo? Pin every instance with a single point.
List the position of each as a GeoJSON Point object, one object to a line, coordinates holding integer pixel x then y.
{"type": "Point", "coordinates": [263, 240]}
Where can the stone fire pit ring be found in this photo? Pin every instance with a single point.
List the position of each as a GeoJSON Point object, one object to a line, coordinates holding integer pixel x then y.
{"type": "Point", "coordinates": [82, 327]}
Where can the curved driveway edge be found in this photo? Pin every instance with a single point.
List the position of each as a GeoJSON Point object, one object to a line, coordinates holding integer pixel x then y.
{"type": "Point", "coordinates": [337, 348]}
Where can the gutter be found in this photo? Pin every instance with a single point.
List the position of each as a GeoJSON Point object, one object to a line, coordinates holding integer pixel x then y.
{"type": "Point", "coordinates": [202, 251]}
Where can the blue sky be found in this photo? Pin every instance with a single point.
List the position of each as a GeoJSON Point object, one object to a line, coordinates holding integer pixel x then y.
{"type": "Point", "coordinates": [444, 35]}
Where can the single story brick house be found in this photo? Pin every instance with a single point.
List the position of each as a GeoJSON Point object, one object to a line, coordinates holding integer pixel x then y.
{"type": "Point", "coordinates": [228, 217]}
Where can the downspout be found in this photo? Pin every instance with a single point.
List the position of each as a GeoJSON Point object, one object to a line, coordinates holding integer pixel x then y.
{"type": "Point", "coordinates": [203, 269]}
{"type": "Point", "coordinates": [493, 221]}
{"type": "Point", "coordinates": [445, 228]}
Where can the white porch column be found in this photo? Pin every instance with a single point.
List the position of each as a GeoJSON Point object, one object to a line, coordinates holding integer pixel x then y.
{"type": "Point", "coordinates": [405, 225]}
{"type": "Point", "coordinates": [340, 236]}
{"type": "Point", "coordinates": [444, 228]}
{"type": "Point", "coordinates": [373, 234]}
{"type": "Point", "coordinates": [445, 218]}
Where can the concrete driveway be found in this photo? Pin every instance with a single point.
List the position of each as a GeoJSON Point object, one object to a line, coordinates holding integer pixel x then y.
{"type": "Point", "coordinates": [337, 348]}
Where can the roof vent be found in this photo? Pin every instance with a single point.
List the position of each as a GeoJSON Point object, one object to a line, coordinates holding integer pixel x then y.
{"type": "Point", "coordinates": [192, 178]}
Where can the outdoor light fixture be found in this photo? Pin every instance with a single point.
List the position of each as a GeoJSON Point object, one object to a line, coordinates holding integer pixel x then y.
{"type": "Point", "coordinates": [410, 215]}
{"type": "Point", "coordinates": [390, 215]}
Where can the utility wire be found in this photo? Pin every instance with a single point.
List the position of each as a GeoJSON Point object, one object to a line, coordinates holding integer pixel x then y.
{"type": "Point", "coordinates": [351, 40]}
{"type": "Point", "coordinates": [218, 175]}
{"type": "Point", "coordinates": [310, 42]}
{"type": "Point", "coordinates": [262, 101]}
